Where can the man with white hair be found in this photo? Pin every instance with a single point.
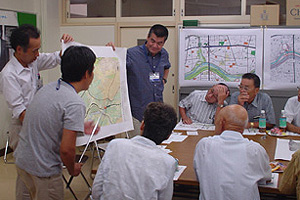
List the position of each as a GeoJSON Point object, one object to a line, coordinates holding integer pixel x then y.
{"type": "Point", "coordinates": [227, 165]}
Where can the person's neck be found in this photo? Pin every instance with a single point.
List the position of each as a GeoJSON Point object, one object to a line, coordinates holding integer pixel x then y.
{"type": "Point", "coordinates": [77, 86]}
{"type": "Point", "coordinates": [20, 61]}
{"type": "Point", "coordinates": [235, 128]}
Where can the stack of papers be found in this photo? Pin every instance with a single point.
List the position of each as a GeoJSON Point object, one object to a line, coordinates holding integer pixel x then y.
{"type": "Point", "coordinates": [180, 169]}
{"type": "Point", "coordinates": [194, 126]}
{"type": "Point", "coordinates": [273, 183]}
{"type": "Point", "coordinates": [175, 138]}
{"type": "Point", "coordinates": [283, 150]}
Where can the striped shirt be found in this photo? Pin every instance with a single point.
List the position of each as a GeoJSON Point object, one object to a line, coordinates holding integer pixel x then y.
{"type": "Point", "coordinates": [197, 108]}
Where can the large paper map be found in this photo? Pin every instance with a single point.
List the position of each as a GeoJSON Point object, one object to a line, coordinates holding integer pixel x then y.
{"type": "Point", "coordinates": [282, 58]}
{"type": "Point", "coordinates": [208, 56]}
{"type": "Point", "coordinates": [107, 97]}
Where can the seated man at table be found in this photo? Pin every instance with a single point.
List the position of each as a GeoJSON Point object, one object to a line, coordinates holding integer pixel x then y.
{"type": "Point", "coordinates": [289, 182]}
{"type": "Point", "coordinates": [292, 113]}
{"type": "Point", "coordinates": [227, 165]}
{"type": "Point", "coordinates": [136, 168]}
{"type": "Point", "coordinates": [254, 101]}
{"type": "Point", "coordinates": [202, 106]}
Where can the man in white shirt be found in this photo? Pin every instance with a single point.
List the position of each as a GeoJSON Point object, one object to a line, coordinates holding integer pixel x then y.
{"type": "Point", "coordinates": [136, 168]}
{"type": "Point", "coordinates": [20, 79]}
{"type": "Point", "coordinates": [203, 105]}
{"type": "Point", "coordinates": [227, 165]}
{"type": "Point", "coordinates": [292, 113]}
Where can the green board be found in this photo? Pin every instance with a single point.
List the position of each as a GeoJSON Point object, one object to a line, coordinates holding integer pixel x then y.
{"type": "Point", "coordinates": [26, 18]}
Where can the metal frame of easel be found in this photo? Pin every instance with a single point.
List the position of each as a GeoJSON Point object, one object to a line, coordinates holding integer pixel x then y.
{"type": "Point", "coordinates": [6, 150]}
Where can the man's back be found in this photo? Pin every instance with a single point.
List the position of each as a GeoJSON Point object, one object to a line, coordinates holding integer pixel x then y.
{"type": "Point", "coordinates": [134, 169]}
{"type": "Point", "coordinates": [229, 167]}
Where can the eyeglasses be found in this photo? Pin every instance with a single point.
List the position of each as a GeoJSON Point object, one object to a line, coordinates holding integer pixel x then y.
{"type": "Point", "coordinates": [241, 87]}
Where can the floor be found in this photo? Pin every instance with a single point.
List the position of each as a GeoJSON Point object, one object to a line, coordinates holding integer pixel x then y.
{"type": "Point", "coordinates": [8, 178]}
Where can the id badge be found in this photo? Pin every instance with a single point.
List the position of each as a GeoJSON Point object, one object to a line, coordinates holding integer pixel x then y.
{"type": "Point", "coordinates": [154, 77]}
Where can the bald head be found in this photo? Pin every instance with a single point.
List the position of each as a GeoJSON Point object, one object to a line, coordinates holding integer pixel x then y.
{"type": "Point", "coordinates": [232, 117]}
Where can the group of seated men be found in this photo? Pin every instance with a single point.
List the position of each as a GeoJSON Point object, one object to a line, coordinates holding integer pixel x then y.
{"type": "Point", "coordinates": [227, 165]}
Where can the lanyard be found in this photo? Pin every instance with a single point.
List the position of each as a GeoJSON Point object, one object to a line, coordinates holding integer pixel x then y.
{"type": "Point", "coordinates": [59, 81]}
{"type": "Point", "coordinates": [148, 61]}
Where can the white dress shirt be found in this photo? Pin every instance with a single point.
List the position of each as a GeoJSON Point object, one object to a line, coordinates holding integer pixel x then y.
{"type": "Point", "coordinates": [19, 84]}
{"type": "Point", "coordinates": [134, 169]}
{"type": "Point", "coordinates": [292, 111]}
{"type": "Point", "coordinates": [229, 167]}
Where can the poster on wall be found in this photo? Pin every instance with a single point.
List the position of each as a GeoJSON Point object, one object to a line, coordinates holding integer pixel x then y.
{"type": "Point", "coordinates": [208, 56]}
{"type": "Point", "coordinates": [8, 22]}
{"type": "Point", "coordinates": [282, 59]}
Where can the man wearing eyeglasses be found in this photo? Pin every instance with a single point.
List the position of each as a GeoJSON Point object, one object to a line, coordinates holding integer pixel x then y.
{"type": "Point", "coordinates": [254, 101]}
{"type": "Point", "coordinates": [292, 113]}
{"type": "Point", "coordinates": [202, 106]}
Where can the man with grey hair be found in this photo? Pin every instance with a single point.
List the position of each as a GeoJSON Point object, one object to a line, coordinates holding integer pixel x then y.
{"type": "Point", "coordinates": [227, 165]}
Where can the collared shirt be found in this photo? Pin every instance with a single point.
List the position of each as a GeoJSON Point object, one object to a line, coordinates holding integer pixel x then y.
{"type": "Point", "coordinates": [19, 84]}
{"type": "Point", "coordinates": [292, 111]}
{"type": "Point", "coordinates": [134, 169]}
{"type": "Point", "coordinates": [229, 166]}
{"type": "Point", "coordinates": [289, 182]}
{"type": "Point", "coordinates": [262, 101]}
{"type": "Point", "coordinates": [140, 64]}
{"type": "Point", "coordinates": [50, 111]}
{"type": "Point", "coordinates": [197, 108]}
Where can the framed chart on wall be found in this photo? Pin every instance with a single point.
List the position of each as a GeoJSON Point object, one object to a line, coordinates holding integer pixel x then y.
{"type": "Point", "coordinates": [281, 58]}
{"type": "Point", "coordinates": [211, 55]}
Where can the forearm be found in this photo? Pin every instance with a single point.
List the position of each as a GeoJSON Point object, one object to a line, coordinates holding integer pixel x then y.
{"type": "Point", "coordinates": [166, 73]}
{"type": "Point", "coordinates": [22, 116]}
{"type": "Point", "coordinates": [182, 112]}
{"type": "Point", "coordinates": [68, 159]}
{"type": "Point", "coordinates": [292, 128]}
{"type": "Point", "coordinates": [67, 150]}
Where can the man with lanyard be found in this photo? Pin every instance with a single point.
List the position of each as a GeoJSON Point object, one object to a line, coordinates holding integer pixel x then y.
{"type": "Point", "coordinates": [147, 71]}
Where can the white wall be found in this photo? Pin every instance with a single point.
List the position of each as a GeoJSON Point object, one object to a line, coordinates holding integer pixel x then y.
{"type": "Point", "coordinates": [47, 12]}
{"type": "Point", "coordinates": [90, 35]}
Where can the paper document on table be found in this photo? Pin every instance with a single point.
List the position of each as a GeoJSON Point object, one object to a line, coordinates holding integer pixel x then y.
{"type": "Point", "coordinates": [253, 131]}
{"type": "Point", "coordinates": [192, 133]}
{"type": "Point", "coordinates": [194, 126]}
{"type": "Point", "coordinates": [180, 169]}
{"type": "Point", "coordinates": [175, 138]}
{"type": "Point", "coordinates": [282, 150]}
{"type": "Point", "coordinates": [273, 183]}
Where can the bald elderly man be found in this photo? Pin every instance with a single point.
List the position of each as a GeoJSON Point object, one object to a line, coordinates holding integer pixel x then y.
{"type": "Point", "coordinates": [203, 105]}
{"type": "Point", "coordinates": [227, 165]}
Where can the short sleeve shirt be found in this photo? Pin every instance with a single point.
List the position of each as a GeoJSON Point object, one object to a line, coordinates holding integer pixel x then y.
{"type": "Point", "coordinates": [140, 64]}
{"type": "Point", "coordinates": [262, 101]}
{"type": "Point", "coordinates": [51, 111]}
{"type": "Point", "coordinates": [292, 111]}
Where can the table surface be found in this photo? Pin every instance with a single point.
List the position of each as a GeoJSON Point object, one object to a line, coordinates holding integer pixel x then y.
{"type": "Point", "coordinates": [184, 152]}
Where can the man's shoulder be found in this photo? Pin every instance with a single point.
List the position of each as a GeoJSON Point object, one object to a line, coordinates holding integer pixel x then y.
{"type": "Point", "coordinates": [264, 95]}
{"type": "Point", "coordinates": [293, 99]}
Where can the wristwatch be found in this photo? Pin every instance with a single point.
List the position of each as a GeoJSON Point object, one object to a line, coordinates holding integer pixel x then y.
{"type": "Point", "coordinates": [165, 80]}
{"type": "Point", "coordinates": [220, 105]}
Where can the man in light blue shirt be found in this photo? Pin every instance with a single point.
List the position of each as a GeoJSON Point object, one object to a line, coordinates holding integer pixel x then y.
{"type": "Point", "coordinates": [254, 101]}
